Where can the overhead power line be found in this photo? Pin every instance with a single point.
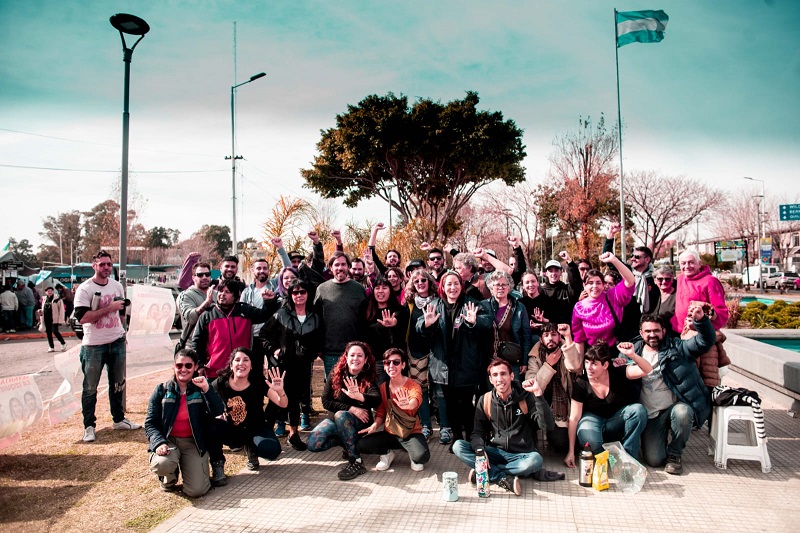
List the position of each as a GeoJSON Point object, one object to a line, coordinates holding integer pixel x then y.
{"type": "Point", "coordinates": [114, 171]}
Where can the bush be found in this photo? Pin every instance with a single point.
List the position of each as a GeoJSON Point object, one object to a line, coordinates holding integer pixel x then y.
{"type": "Point", "coordinates": [778, 315]}
{"type": "Point", "coordinates": [734, 310]}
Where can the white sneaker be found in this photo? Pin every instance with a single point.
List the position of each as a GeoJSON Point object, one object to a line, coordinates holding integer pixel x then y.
{"type": "Point", "coordinates": [125, 424]}
{"type": "Point", "coordinates": [385, 461]}
{"type": "Point", "coordinates": [88, 434]}
{"type": "Point", "coordinates": [64, 347]}
{"type": "Point", "coordinates": [417, 467]}
{"type": "Point", "coordinates": [50, 350]}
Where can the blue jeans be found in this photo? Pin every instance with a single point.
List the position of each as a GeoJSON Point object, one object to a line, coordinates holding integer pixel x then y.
{"type": "Point", "coordinates": [26, 316]}
{"type": "Point", "coordinates": [329, 361]}
{"type": "Point", "coordinates": [341, 431]}
{"type": "Point", "coordinates": [93, 359]}
{"type": "Point", "coordinates": [433, 394]}
{"type": "Point", "coordinates": [501, 462]}
{"type": "Point", "coordinates": [626, 426]}
{"type": "Point", "coordinates": [679, 419]}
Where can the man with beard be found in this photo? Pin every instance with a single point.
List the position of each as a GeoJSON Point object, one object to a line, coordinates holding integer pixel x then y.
{"type": "Point", "coordinates": [358, 273]}
{"type": "Point", "coordinates": [673, 393]}
{"type": "Point", "coordinates": [506, 421]}
{"type": "Point", "coordinates": [342, 303]}
{"type": "Point", "coordinates": [195, 300]}
{"type": "Point", "coordinates": [646, 293]}
{"type": "Point", "coordinates": [253, 295]}
{"type": "Point", "coordinates": [229, 268]}
{"type": "Point", "coordinates": [555, 356]}
{"type": "Point", "coordinates": [392, 256]}
{"type": "Point", "coordinates": [227, 325]}
{"type": "Point", "coordinates": [562, 296]}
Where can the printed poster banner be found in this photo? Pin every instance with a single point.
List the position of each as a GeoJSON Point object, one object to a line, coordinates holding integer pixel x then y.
{"type": "Point", "coordinates": [64, 403]}
{"type": "Point", "coordinates": [20, 406]}
{"type": "Point", "coordinates": [152, 313]}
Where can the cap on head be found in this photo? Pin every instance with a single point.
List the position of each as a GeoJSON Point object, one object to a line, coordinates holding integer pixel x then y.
{"type": "Point", "coordinates": [295, 253]}
{"type": "Point", "coordinates": [552, 263]}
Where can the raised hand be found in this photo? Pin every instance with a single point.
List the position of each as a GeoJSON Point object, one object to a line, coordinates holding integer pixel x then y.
{"type": "Point", "coordinates": [201, 383]}
{"type": "Point", "coordinates": [380, 226]}
{"type": "Point", "coordinates": [470, 313]}
{"type": "Point", "coordinates": [564, 330]}
{"type": "Point", "coordinates": [625, 348]}
{"type": "Point", "coordinates": [401, 399]}
{"type": "Point", "coordinates": [479, 253]}
{"type": "Point", "coordinates": [350, 387]}
{"type": "Point", "coordinates": [425, 246]}
{"type": "Point", "coordinates": [314, 236]}
{"type": "Point", "coordinates": [277, 242]}
{"type": "Point", "coordinates": [613, 230]}
{"type": "Point", "coordinates": [513, 241]}
{"type": "Point", "coordinates": [538, 316]}
{"type": "Point", "coordinates": [695, 310]}
{"type": "Point", "coordinates": [389, 319]}
{"type": "Point", "coordinates": [267, 294]}
{"type": "Point", "coordinates": [431, 316]}
{"type": "Point", "coordinates": [337, 234]}
{"type": "Point", "coordinates": [563, 254]}
{"type": "Point", "coordinates": [606, 257]}
{"type": "Point", "coordinates": [274, 380]}
{"type": "Point", "coordinates": [532, 386]}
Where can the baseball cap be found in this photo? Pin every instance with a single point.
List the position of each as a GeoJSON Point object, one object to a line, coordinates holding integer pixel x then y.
{"type": "Point", "coordinates": [295, 253]}
{"type": "Point", "coordinates": [552, 263]}
{"type": "Point", "coordinates": [414, 264]}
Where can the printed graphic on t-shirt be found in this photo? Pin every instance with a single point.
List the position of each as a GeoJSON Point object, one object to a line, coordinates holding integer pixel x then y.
{"type": "Point", "coordinates": [109, 320]}
{"type": "Point", "coordinates": [237, 410]}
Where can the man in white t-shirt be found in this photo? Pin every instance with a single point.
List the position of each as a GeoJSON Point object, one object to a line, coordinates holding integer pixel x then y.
{"type": "Point", "coordinates": [98, 304]}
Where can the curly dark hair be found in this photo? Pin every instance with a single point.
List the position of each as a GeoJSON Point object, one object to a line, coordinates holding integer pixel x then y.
{"type": "Point", "coordinates": [224, 375]}
{"type": "Point", "coordinates": [366, 378]}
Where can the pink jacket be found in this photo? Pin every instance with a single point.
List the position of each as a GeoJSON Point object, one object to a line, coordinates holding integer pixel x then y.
{"type": "Point", "coordinates": [702, 287]}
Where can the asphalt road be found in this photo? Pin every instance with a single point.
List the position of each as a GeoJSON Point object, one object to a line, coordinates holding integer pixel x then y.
{"type": "Point", "coordinates": [21, 357]}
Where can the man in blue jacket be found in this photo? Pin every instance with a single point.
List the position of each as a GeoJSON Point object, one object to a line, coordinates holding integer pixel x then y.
{"type": "Point", "coordinates": [673, 393]}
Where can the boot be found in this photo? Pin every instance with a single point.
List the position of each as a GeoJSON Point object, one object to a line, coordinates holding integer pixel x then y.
{"type": "Point", "coordinates": [218, 477]}
{"type": "Point", "coordinates": [252, 458]}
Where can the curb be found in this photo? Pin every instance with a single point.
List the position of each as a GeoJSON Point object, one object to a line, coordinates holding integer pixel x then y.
{"type": "Point", "coordinates": [33, 335]}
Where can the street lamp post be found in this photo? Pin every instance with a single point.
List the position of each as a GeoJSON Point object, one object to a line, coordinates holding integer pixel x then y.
{"type": "Point", "coordinates": [233, 157]}
{"type": "Point", "coordinates": [760, 232]}
{"type": "Point", "coordinates": [507, 213]}
{"type": "Point", "coordinates": [132, 25]}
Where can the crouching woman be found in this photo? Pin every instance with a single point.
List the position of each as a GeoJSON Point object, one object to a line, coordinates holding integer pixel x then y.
{"type": "Point", "coordinates": [177, 427]}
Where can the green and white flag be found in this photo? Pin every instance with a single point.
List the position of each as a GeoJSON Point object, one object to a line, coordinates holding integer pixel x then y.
{"type": "Point", "coordinates": [640, 26]}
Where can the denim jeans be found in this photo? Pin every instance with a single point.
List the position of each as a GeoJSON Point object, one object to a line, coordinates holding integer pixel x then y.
{"type": "Point", "coordinates": [263, 439]}
{"type": "Point", "coordinates": [626, 426]}
{"type": "Point", "coordinates": [677, 419]}
{"type": "Point", "coordinates": [432, 394]}
{"type": "Point", "coordinates": [93, 359]}
{"type": "Point", "coordinates": [341, 431]}
{"type": "Point", "coordinates": [501, 462]}
{"type": "Point", "coordinates": [26, 316]}
{"type": "Point", "coordinates": [329, 360]}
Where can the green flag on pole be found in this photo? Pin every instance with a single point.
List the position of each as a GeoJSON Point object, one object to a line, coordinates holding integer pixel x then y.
{"type": "Point", "coordinates": [640, 26]}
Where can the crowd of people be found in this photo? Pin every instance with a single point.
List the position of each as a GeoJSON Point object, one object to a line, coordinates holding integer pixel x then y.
{"type": "Point", "coordinates": [493, 352]}
{"type": "Point", "coordinates": [23, 309]}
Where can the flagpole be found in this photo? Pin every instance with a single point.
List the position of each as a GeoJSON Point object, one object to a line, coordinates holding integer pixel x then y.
{"type": "Point", "coordinates": [619, 129]}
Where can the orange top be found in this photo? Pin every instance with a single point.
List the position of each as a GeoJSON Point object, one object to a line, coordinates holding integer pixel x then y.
{"type": "Point", "coordinates": [414, 393]}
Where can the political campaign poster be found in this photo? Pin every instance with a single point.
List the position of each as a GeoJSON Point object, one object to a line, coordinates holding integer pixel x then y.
{"type": "Point", "coordinates": [20, 406]}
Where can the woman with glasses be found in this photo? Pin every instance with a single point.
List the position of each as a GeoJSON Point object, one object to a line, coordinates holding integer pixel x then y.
{"type": "Point", "coordinates": [244, 423]}
{"type": "Point", "coordinates": [176, 422]}
{"type": "Point", "coordinates": [512, 338]}
{"type": "Point", "coordinates": [665, 281]}
{"type": "Point", "coordinates": [386, 320]}
{"type": "Point", "coordinates": [292, 339]}
{"type": "Point", "coordinates": [597, 316]}
{"type": "Point", "coordinates": [457, 325]}
{"type": "Point", "coordinates": [350, 394]}
{"type": "Point", "coordinates": [405, 395]}
{"type": "Point", "coordinates": [420, 292]}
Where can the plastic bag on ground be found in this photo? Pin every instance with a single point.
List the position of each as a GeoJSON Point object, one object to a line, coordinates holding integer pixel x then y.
{"type": "Point", "coordinates": [629, 473]}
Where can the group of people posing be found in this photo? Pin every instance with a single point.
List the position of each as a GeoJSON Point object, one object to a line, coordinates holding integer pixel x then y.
{"type": "Point", "coordinates": [490, 350]}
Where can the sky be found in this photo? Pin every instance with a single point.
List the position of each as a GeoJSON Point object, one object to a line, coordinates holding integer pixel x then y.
{"type": "Point", "coordinates": [716, 100]}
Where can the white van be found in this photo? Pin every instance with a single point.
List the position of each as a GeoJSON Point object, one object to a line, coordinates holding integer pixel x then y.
{"type": "Point", "coordinates": [750, 274]}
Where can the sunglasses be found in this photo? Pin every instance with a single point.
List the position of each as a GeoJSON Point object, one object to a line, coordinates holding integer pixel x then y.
{"type": "Point", "coordinates": [188, 366]}
{"type": "Point", "coordinates": [436, 258]}
{"type": "Point", "coordinates": [392, 362]}
{"type": "Point", "coordinates": [662, 280]}
{"type": "Point", "coordinates": [637, 256]}
{"type": "Point", "coordinates": [203, 274]}
{"type": "Point", "coordinates": [583, 268]}
{"type": "Point", "coordinates": [299, 293]}
{"type": "Point", "coordinates": [423, 280]}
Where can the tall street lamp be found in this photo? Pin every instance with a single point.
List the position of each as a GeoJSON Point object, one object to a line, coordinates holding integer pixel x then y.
{"type": "Point", "coordinates": [507, 213]}
{"type": "Point", "coordinates": [760, 231]}
{"type": "Point", "coordinates": [132, 25]}
{"type": "Point", "coordinates": [233, 157]}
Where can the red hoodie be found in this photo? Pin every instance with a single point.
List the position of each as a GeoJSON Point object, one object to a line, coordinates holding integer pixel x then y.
{"type": "Point", "coordinates": [701, 287]}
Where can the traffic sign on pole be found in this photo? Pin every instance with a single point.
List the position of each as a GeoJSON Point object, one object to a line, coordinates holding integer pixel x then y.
{"type": "Point", "coordinates": [789, 211]}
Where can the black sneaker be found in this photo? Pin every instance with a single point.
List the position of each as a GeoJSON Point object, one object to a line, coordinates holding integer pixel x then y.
{"type": "Point", "coordinates": [472, 476]}
{"type": "Point", "coordinates": [511, 484]}
{"type": "Point", "coordinates": [297, 443]}
{"type": "Point", "coordinates": [352, 470]}
{"type": "Point", "coordinates": [674, 465]}
{"type": "Point", "coordinates": [252, 458]}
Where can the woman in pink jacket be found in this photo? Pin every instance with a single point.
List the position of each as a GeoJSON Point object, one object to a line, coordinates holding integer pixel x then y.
{"type": "Point", "coordinates": [697, 283]}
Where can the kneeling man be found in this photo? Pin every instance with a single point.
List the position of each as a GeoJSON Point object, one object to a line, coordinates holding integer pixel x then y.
{"type": "Point", "coordinates": [506, 421]}
{"type": "Point", "coordinates": [673, 393]}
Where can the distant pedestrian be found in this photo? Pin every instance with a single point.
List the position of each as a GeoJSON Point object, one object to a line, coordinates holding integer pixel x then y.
{"type": "Point", "coordinates": [52, 316]}
{"type": "Point", "coordinates": [10, 309]}
{"type": "Point", "coordinates": [27, 301]}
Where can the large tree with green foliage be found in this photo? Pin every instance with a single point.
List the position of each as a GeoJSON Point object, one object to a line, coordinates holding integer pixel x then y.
{"type": "Point", "coordinates": [58, 233]}
{"type": "Point", "coordinates": [427, 160]}
{"type": "Point", "coordinates": [23, 250]}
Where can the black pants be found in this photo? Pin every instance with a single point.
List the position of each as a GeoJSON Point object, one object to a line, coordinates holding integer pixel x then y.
{"type": "Point", "coordinates": [296, 382]}
{"type": "Point", "coordinates": [460, 410]}
{"type": "Point", "coordinates": [380, 442]}
{"type": "Point", "coordinates": [51, 329]}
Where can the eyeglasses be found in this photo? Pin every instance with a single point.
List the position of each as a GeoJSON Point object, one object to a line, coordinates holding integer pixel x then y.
{"type": "Point", "coordinates": [188, 366]}
{"type": "Point", "coordinates": [637, 256]}
{"type": "Point", "coordinates": [583, 268]}
{"type": "Point", "coordinates": [435, 258]}
{"type": "Point", "coordinates": [203, 274]}
{"type": "Point", "coordinates": [421, 280]}
{"type": "Point", "coordinates": [392, 362]}
{"type": "Point", "coordinates": [104, 264]}
{"type": "Point", "coordinates": [501, 286]}
{"type": "Point", "coordinates": [300, 292]}
{"type": "Point", "coordinates": [662, 280]}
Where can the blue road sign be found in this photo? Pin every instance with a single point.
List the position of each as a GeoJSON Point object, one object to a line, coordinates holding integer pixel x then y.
{"type": "Point", "coordinates": [789, 211]}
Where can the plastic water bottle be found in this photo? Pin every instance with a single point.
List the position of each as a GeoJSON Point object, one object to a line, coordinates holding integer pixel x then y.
{"type": "Point", "coordinates": [585, 466]}
{"type": "Point", "coordinates": [482, 473]}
